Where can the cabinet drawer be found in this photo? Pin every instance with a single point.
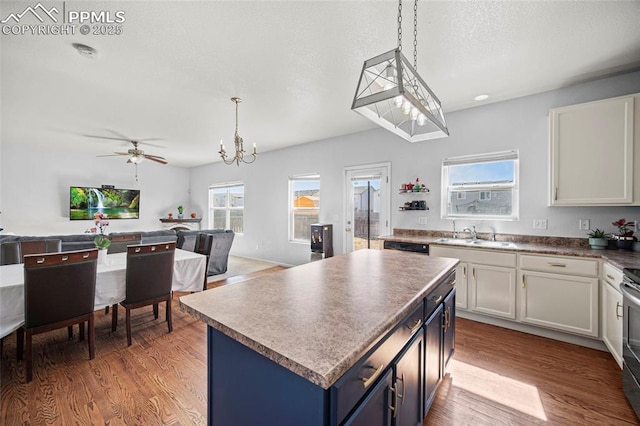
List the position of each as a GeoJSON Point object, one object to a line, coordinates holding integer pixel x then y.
{"type": "Point", "coordinates": [485, 257]}
{"type": "Point", "coordinates": [612, 276]}
{"type": "Point", "coordinates": [362, 377]}
{"type": "Point", "coordinates": [438, 294]}
{"type": "Point", "coordinates": [560, 265]}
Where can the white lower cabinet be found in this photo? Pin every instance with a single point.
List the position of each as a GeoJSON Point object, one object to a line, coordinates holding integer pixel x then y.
{"type": "Point", "coordinates": [485, 280]}
{"type": "Point", "coordinates": [562, 302]}
{"type": "Point", "coordinates": [612, 311]}
{"type": "Point", "coordinates": [493, 290]}
{"type": "Point", "coordinates": [461, 285]}
{"type": "Point", "coordinates": [560, 293]}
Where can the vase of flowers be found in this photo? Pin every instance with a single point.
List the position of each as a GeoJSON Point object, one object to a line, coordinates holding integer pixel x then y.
{"type": "Point", "coordinates": [101, 241]}
{"type": "Point", "coordinates": [625, 238]}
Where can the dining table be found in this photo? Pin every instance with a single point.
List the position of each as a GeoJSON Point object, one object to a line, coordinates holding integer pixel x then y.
{"type": "Point", "coordinates": [189, 270]}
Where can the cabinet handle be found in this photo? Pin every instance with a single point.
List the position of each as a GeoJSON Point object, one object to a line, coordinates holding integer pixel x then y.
{"type": "Point", "coordinates": [464, 272]}
{"type": "Point", "coordinates": [473, 273]}
{"type": "Point", "coordinates": [398, 394]}
{"type": "Point", "coordinates": [447, 319]}
{"type": "Point", "coordinates": [437, 300]}
{"type": "Point", "coordinates": [368, 380]}
{"type": "Point", "coordinates": [611, 279]}
{"type": "Point", "coordinates": [394, 406]}
{"type": "Point", "coordinates": [618, 305]}
{"type": "Point", "coordinates": [555, 196]}
{"type": "Point", "coordinates": [415, 327]}
{"type": "Point", "coordinates": [557, 265]}
{"type": "Point", "coordinates": [523, 283]}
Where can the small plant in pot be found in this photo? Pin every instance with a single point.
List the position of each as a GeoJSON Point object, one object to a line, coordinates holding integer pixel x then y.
{"type": "Point", "coordinates": [625, 238]}
{"type": "Point", "coordinates": [598, 240]}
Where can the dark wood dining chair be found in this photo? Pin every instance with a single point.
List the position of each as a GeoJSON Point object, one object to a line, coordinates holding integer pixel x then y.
{"type": "Point", "coordinates": [119, 242]}
{"type": "Point", "coordinates": [59, 291]}
{"type": "Point", "coordinates": [204, 242]}
{"type": "Point", "coordinates": [148, 281]}
{"type": "Point", "coordinates": [10, 253]}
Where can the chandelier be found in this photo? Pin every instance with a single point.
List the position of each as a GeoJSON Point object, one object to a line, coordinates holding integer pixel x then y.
{"type": "Point", "coordinates": [239, 144]}
{"type": "Point", "coordinates": [392, 94]}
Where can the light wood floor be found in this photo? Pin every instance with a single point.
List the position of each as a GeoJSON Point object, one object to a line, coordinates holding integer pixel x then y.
{"type": "Point", "coordinates": [497, 377]}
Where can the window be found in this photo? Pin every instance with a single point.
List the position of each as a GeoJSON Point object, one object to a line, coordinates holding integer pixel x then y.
{"type": "Point", "coordinates": [481, 186]}
{"type": "Point", "coordinates": [226, 207]}
{"type": "Point", "coordinates": [304, 206]}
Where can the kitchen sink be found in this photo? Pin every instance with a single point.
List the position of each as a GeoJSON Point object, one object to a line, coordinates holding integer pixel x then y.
{"type": "Point", "coordinates": [475, 243]}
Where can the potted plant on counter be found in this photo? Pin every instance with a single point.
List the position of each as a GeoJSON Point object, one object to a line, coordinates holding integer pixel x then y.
{"type": "Point", "coordinates": [180, 210]}
{"type": "Point", "coordinates": [625, 238]}
{"type": "Point", "coordinates": [598, 239]}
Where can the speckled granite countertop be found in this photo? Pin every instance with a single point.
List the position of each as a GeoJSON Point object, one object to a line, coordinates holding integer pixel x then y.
{"type": "Point", "coordinates": [320, 318]}
{"type": "Point", "coordinates": [559, 246]}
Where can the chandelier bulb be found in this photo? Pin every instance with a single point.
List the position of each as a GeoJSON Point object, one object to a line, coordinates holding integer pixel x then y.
{"type": "Point", "coordinates": [398, 101]}
{"type": "Point", "coordinates": [422, 119]}
{"type": "Point", "coordinates": [406, 107]}
{"type": "Point", "coordinates": [414, 113]}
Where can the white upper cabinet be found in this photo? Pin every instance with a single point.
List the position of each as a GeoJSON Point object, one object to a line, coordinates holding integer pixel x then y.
{"type": "Point", "coordinates": [593, 158]}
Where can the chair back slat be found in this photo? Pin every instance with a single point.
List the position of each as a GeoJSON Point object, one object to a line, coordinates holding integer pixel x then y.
{"type": "Point", "coordinates": [59, 286]}
{"type": "Point", "coordinates": [120, 242]}
{"type": "Point", "coordinates": [204, 242]}
{"type": "Point", "coordinates": [10, 253]}
{"type": "Point", "coordinates": [51, 245]}
{"type": "Point", "coordinates": [149, 271]}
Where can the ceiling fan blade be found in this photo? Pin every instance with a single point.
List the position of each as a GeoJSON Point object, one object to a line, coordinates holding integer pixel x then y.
{"type": "Point", "coordinates": [122, 153]}
{"type": "Point", "coordinates": [156, 159]}
{"type": "Point", "coordinates": [109, 155]}
{"type": "Point", "coordinates": [107, 137]}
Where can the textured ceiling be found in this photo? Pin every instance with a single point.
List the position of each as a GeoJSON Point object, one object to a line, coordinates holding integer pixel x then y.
{"type": "Point", "coordinates": [172, 71]}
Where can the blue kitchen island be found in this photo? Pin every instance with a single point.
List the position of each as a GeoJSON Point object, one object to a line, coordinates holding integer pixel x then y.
{"type": "Point", "coordinates": [361, 338]}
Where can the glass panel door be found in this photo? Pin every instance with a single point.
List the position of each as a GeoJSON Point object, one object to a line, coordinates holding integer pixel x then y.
{"type": "Point", "coordinates": [367, 204]}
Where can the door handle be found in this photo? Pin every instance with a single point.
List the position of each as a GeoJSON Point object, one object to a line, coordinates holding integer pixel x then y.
{"type": "Point", "coordinates": [523, 283]}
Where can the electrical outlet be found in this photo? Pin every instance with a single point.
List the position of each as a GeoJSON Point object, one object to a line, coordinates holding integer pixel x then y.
{"type": "Point", "coordinates": [539, 223]}
{"type": "Point", "coordinates": [422, 220]}
{"type": "Point", "coordinates": [583, 224]}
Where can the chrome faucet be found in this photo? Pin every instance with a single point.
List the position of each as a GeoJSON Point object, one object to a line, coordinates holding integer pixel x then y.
{"type": "Point", "coordinates": [455, 233]}
{"type": "Point", "coordinates": [474, 234]}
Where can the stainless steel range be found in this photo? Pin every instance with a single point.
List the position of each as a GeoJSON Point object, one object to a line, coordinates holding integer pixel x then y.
{"type": "Point", "coordinates": [630, 288]}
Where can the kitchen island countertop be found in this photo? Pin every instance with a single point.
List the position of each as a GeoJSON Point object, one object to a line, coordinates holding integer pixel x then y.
{"type": "Point", "coordinates": [320, 318]}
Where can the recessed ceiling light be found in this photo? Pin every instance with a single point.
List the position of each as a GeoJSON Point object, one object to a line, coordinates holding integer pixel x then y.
{"type": "Point", "coordinates": [86, 51]}
{"type": "Point", "coordinates": [481, 97]}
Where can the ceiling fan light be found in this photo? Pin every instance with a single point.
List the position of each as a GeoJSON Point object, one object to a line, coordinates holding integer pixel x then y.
{"type": "Point", "coordinates": [136, 159]}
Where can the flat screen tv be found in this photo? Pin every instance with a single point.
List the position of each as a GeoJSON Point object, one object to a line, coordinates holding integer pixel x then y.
{"type": "Point", "coordinates": [84, 202]}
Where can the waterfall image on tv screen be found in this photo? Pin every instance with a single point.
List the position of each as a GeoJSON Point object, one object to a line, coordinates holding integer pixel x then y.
{"type": "Point", "coordinates": [85, 202]}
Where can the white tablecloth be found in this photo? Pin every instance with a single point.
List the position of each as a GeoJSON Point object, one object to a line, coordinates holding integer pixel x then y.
{"type": "Point", "coordinates": [188, 275]}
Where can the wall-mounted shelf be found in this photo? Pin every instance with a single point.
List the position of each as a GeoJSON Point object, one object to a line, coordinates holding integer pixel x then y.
{"type": "Point", "coordinates": [403, 209]}
{"type": "Point", "coordinates": [406, 191]}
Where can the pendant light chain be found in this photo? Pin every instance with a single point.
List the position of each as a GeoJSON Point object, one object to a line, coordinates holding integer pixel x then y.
{"type": "Point", "coordinates": [400, 25]}
{"type": "Point", "coordinates": [415, 35]}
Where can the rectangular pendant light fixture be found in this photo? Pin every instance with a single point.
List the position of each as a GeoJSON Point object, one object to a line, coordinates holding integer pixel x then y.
{"type": "Point", "coordinates": [392, 94]}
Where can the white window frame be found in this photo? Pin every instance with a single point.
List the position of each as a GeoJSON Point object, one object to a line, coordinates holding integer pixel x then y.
{"type": "Point", "coordinates": [447, 187]}
{"type": "Point", "coordinates": [292, 209]}
{"type": "Point", "coordinates": [227, 209]}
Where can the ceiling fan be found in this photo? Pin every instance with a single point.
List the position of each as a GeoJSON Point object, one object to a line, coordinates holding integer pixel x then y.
{"type": "Point", "coordinates": [136, 155]}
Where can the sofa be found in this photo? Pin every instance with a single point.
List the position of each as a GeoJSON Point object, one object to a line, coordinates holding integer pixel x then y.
{"type": "Point", "coordinates": [218, 258]}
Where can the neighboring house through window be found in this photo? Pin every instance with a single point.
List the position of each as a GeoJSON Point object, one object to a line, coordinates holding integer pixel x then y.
{"type": "Point", "coordinates": [304, 206]}
{"type": "Point", "coordinates": [481, 186]}
{"type": "Point", "coordinates": [226, 207]}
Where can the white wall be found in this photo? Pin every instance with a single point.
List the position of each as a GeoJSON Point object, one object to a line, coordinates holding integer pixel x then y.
{"type": "Point", "coordinates": [35, 189]}
{"type": "Point", "coordinates": [34, 185]}
{"type": "Point", "coordinates": [517, 124]}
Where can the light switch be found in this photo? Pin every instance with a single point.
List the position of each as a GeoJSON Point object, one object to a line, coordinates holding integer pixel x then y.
{"type": "Point", "coordinates": [584, 224]}
{"type": "Point", "coordinates": [539, 223]}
